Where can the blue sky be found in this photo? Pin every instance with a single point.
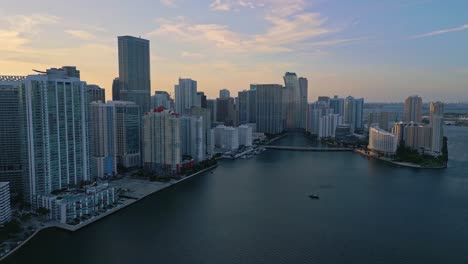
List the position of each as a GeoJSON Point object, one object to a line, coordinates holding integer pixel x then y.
{"type": "Point", "coordinates": [381, 50]}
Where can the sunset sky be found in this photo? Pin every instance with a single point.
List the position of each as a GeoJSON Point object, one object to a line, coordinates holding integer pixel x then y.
{"type": "Point", "coordinates": [380, 50]}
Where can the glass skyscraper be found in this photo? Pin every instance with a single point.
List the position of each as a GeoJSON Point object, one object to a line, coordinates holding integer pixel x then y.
{"type": "Point", "coordinates": [134, 71]}
{"type": "Point", "coordinates": [185, 95]}
{"type": "Point", "coordinates": [269, 108]}
{"type": "Point", "coordinates": [353, 113]}
{"type": "Point", "coordinates": [55, 133]}
{"type": "Point", "coordinates": [10, 141]}
{"type": "Point", "coordinates": [128, 132]}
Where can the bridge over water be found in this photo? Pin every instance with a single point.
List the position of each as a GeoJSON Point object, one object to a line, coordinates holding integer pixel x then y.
{"type": "Point", "coordinates": [310, 149]}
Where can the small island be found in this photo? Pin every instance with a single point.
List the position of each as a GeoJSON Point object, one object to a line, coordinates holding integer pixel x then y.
{"type": "Point", "coordinates": [408, 157]}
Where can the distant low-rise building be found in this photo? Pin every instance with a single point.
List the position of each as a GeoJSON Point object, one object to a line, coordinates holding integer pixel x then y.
{"type": "Point", "coordinates": [75, 206]}
{"type": "Point", "coordinates": [245, 135]}
{"type": "Point", "coordinates": [226, 138]}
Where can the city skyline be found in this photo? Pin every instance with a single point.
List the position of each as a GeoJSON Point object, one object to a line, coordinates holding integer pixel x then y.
{"type": "Point", "coordinates": [363, 52]}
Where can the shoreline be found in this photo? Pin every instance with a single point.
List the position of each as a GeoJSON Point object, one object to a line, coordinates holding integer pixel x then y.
{"type": "Point", "coordinates": [116, 209]}
{"type": "Point", "coordinates": [129, 202]}
{"type": "Point", "coordinates": [400, 164]}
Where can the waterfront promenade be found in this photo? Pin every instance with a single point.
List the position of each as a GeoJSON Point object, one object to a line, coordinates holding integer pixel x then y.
{"type": "Point", "coordinates": [136, 191]}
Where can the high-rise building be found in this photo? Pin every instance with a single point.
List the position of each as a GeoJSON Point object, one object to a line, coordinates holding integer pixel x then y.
{"type": "Point", "coordinates": [252, 108]}
{"type": "Point", "coordinates": [55, 130]}
{"type": "Point", "coordinates": [116, 89]}
{"type": "Point", "coordinates": [269, 108]}
{"type": "Point", "coordinates": [134, 71]}
{"type": "Point", "coordinates": [226, 111]}
{"type": "Point", "coordinates": [10, 140]}
{"type": "Point", "coordinates": [193, 137]}
{"type": "Point", "coordinates": [224, 93]}
{"type": "Point", "coordinates": [104, 138]}
{"type": "Point", "coordinates": [413, 106]}
{"type": "Point", "coordinates": [337, 104]}
{"type": "Point", "coordinates": [373, 120]}
{"type": "Point", "coordinates": [161, 98]}
{"type": "Point", "coordinates": [185, 95]}
{"type": "Point", "coordinates": [243, 107]}
{"type": "Point", "coordinates": [128, 131]}
{"type": "Point", "coordinates": [328, 124]}
{"type": "Point", "coordinates": [383, 120]}
{"type": "Point", "coordinates": [293, 116]}
{"type": "Point", "coordinates": [162, 146]}
{"type": "Point", "coordinates": [212, 106]}
{"type": "Point", "coordinates": [414, 135]}
{"type": "Point", "coordinates": [386, 120]}
{"type": "Point", "coordinates": [437, 108]}
{"type": "Point", "coordinates": [304, 93]}
{"type": "Point", "coordinates": [314, 120]}
{"type": "Point", "coordinates": [201, 100]}
{"type": "Point", "coordinates": [206, 115]}
{"type": "Point", "coordinates": [354, 111]}
{"type": "Point", "coordinates": [5, 208]}
{"type": "Point", "coordinates": [71, 71]}
{"type": "Point", "coordinates": [247, 106]}
{"type": "Point", "coordinates": [382, 141]}
{"type": "Point", "coordinates": [96, 93]}
{"type": "Point", "coordinates": [436, 122]}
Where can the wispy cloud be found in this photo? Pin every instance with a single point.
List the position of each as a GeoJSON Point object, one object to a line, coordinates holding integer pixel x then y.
{"type": "Point", "coordinates": [281, 33]}
{"type": "Point", "coordinates": [275, 7]}
{"type": "Point", "coordinates": [335, 42]}
{"type": "Point", "coordinates": [192, 55]}
{"type": "Point", "coordinates": [170, 3]}
{"type": "Point", "coordinates": [442, 31]}
{"type": "Point", "coordinates": [288, 24]}
{"type": "Point", "coordinates": [29, 23]}
{"type": "Point", "coordinates": [226, 5]}
{"type": "Point", "coordinates": [80, 34]}
{"type": "Point", "coordinates": [17, 29]}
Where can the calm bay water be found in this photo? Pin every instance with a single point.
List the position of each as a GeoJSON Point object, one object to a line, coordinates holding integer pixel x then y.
{"type": "Point", "coordinates": [258, 211]}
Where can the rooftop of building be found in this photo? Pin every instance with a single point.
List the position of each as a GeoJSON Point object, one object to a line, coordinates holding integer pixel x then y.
{"type": "Point", "coordinates": [381, 131]}
{"type": "Point", "coordinates": [11, 78]}
{"type": "Point", "coordinates": [77, 194]}
{"type": "Point", "coordinates": [121, 103]}
{"type": "Point", "coordinates": [133, 38]}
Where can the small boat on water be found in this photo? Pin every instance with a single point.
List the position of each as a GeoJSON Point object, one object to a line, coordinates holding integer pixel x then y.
{"type": "Point", "coordinates": [314, 196]}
